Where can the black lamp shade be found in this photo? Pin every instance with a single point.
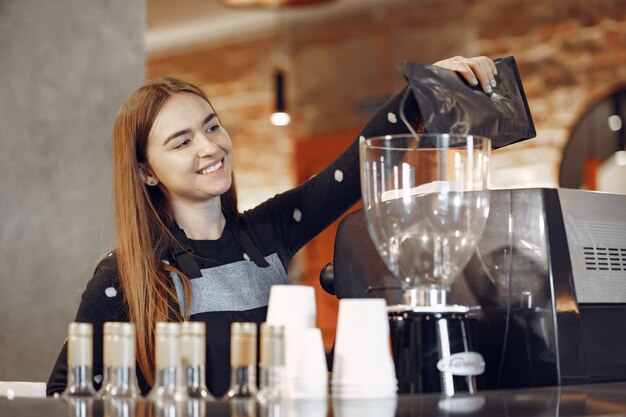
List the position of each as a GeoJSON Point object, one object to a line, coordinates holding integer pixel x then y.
{"type": "Point", "coordinates": [279, 79]}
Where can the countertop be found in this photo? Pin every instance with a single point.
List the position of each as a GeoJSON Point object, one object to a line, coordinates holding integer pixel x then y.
{"type": "Point", "coordinates": [578, 400]}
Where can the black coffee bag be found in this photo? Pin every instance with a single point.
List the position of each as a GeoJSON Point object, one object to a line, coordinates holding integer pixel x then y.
{"type": "Point", "coordinates": [448, 104]}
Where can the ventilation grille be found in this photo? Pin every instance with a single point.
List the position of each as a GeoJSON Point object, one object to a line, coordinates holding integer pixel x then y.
{"type": "Point", "coordinates": [605, 259]}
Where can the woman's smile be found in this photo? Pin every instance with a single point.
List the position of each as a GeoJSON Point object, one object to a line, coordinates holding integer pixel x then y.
{"type": "Point", "coordinates": [212, 169]}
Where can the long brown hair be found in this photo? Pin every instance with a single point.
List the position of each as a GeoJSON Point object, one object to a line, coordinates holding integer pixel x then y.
{"type": "Point", "coordinates": [144, 220]}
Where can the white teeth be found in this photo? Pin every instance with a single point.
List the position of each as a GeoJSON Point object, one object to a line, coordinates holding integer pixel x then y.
{"type": "Point", "coordinates": [212, 168]}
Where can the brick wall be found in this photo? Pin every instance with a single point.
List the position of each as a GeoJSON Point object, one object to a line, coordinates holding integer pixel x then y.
{"type": "Point", "coordinates": [570, 55]}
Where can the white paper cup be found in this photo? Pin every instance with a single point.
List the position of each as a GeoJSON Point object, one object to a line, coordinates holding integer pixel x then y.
{"type": "Point", "coordinates": [389, 392]}
{"type": "Point", "coordinates": [363, 365]}
{"type": "Point", "coordinates": [292, 306]}
{"type": "Point", "coordinates": [306, 374]}
{"type": "Point", "coordinates": [363, 369]}
{"type": "Point", "coordinates": [362, 320]}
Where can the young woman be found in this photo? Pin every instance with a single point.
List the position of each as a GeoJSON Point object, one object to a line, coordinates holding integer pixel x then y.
{"type": "Point", "coordinates": [184, 251]}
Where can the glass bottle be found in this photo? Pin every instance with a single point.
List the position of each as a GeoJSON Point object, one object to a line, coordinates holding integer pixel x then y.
{"type": "Point", "coordinates": [193, 353]}
{"type": "Point", "coordinates": [79, 361]}
{"type": "Point", "coordinates": [272, 362]}
{"type": "Point", "coordinates": [120, 379]}
{"type": "Point", "coordinates": [242, 361]}
{"type": "Point", "coordinates": [167, 379]}
{"type": "Point", "coordinates": [243, 390]}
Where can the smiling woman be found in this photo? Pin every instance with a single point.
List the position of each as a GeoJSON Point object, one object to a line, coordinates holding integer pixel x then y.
{"type": "Point", "coordinates": [189, 155]}
{"type": "Point", "coordinates": [184, 250]}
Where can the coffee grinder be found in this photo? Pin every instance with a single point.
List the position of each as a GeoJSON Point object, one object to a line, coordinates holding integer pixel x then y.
{"type": "Point", "coordinates": [425, 204]}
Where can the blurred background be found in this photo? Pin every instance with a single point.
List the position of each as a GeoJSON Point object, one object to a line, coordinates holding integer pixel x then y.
{"type": "Point", "coordinates": [67, 65]}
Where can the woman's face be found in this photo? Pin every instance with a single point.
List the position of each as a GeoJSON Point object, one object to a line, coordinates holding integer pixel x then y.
{"type": "Point", "coordinates": [189, 153]}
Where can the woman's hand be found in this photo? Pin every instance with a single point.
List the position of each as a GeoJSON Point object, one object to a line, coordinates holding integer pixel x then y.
{"type": "Point", "coordinates": [477, 70]}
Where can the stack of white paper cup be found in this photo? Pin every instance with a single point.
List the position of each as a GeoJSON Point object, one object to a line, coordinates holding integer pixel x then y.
{"type": "Point", "coordinates": [363, 366]}
{"type": "Point", "coordinates": [293, 307]}
{"type": "Point", "coordinates": [306, 374]}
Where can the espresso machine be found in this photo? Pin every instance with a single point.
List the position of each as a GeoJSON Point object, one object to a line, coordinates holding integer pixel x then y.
{"type": "Point", "coordinates": [545, 293]}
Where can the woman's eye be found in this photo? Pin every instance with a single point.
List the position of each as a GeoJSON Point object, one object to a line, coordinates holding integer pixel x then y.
{"type": "Point", "coordinates": [182, 144]}
{"type": "Point", "coordinates": [212, 128]}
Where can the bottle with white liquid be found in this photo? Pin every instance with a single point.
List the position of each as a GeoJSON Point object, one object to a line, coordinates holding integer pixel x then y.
{"type": "Point", "coordinates": [272, 362]}
{"type": "Point", "coordinates": [242, 361]}
{"type": "Point", "coordinates": [80, 361]}
{"type": "Point", "coordinates": [120, 378]}
{"type": "Point", "coordinates": [193, 353]}
{"type": "Point", "coordinates": [167, 378]}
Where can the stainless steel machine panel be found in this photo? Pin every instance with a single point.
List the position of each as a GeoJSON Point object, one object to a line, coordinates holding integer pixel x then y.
{"type": "Point", "coordinates": [595, 225]}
